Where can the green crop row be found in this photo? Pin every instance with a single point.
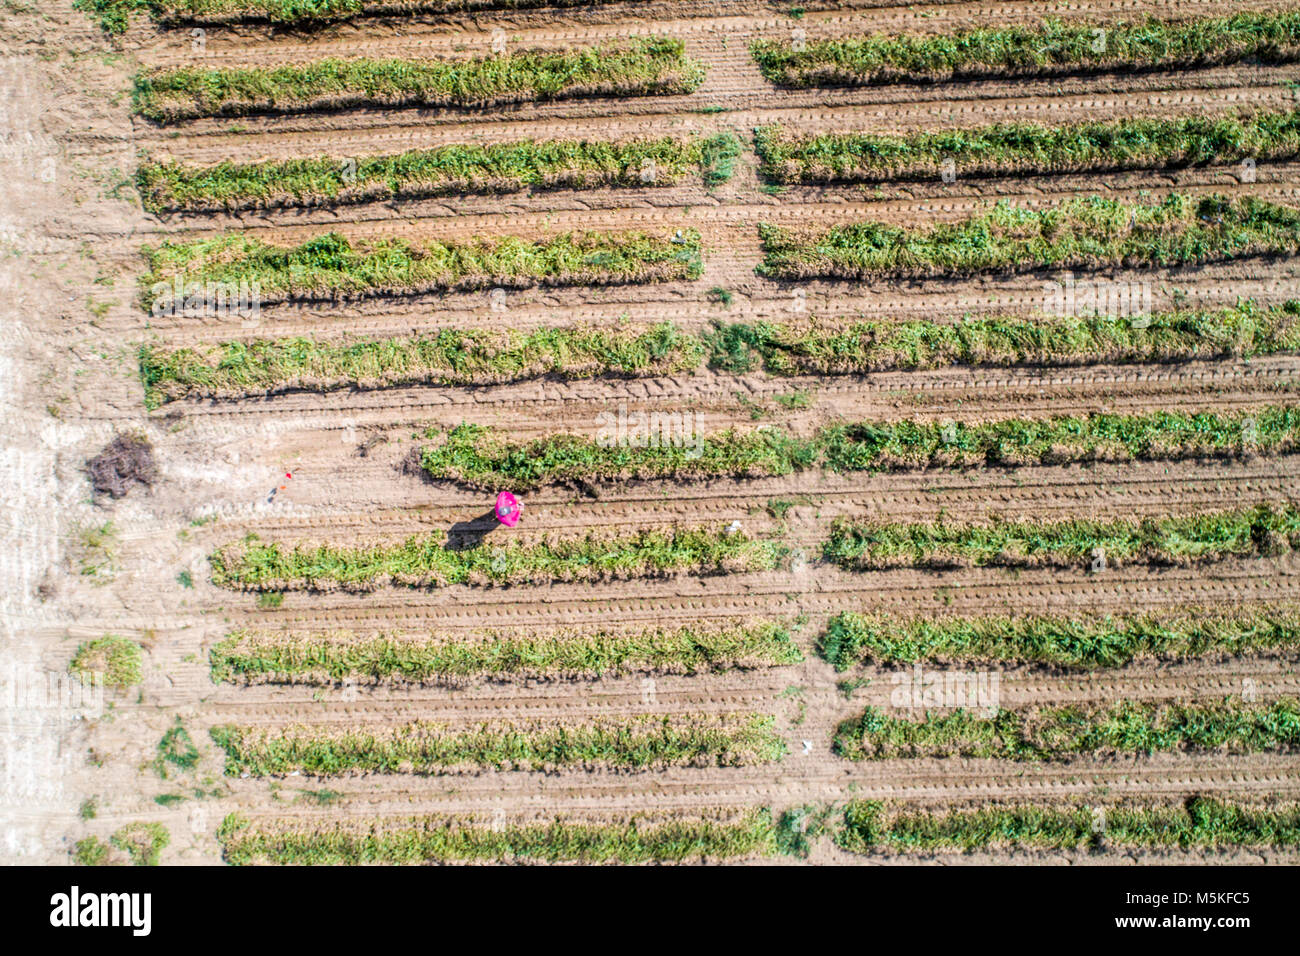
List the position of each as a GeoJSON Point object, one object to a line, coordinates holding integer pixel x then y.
{"type": "Point", "coordinates": [627, 743]}
{"type": "Point", "coordinates": [1058, 733]}
{"type": "Point", "coordinates": [479, 457]}
{"type": "Point", "coordinates": [287, 658]}
{"type": "Point", "coordinates": [424, 561]}
{"type": "Point", "coordinates": [236, 369]}
{"type": "Point", "coordinates": [114, 15]}
{"type": "Point", "coordinates": [331, 266]}
{"type": "Point", "coordinates": [1049, 48]}
{"type": "Point", "coordinates": [863, 826]}
{"type": "Point", "coordinates": [862, 347]}
{"type": "Point", "coordinates": [447, 357]}
{"type": "Point", "coordinates": [629, 839]}
{"type": "Point", "coordinates": [786, 157]}
{"type": "Point", "coordinates": [1248, 532]}
{"type": "Point", "coordinates": [872, 826]}
{"type": "Point", "coordinates": [637, 67]}
{"type": "Point", "coordinates": [1026, 148]}
{"type": "Point", "coordinates": [1089, 232]}
{"type": "Point", "coordinates": [1059, 641]}
{"type": "Point", "coordinates": [442, 171]}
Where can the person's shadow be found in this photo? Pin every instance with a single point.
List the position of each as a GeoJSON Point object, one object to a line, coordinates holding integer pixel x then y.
{"type": "Point", "coordinates": [467, 535]}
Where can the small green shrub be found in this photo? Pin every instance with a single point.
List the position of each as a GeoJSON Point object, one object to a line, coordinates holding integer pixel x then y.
{"type": "Point", "coordinates": [142, 842]}
{"type": "Point", "coordinates": [116, 661]}
{"type": "Point", "coordinates": [176, 750]}
{"type": "Point", "coordinates": [91, 852]}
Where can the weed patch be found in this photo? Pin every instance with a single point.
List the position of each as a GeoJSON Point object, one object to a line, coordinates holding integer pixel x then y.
{"type": "Point", "coordinates": [142, 842]}
{"type": "Point", "coordinates": [116, 662]}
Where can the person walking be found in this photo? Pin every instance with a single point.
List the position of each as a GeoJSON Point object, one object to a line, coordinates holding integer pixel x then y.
{"type": "Point", "coordinates": [508, 509]}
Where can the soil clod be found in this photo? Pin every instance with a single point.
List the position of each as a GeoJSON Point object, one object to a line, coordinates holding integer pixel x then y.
{"type": "Point", "coordinates": [125, 460]}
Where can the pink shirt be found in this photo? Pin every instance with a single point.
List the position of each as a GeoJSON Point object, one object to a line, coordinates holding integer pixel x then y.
{"type": "Point", "coordinates": [508, 509]}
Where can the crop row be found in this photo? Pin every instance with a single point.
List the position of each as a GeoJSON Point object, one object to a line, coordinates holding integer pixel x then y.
{"type": "Point", "coordinates": [786, 157]}
{"type": "Point", "coordinates": [1050, 48]}
{"type": "Point", "coordinates": [443, 171]}
{"type": "Point", "coordinates": [287, 658]}
{"type": "Point", "coordinates": [330, 266]}
{"type": "Point", "coordinates": [877, 346]}
{"type": "Point", "coordinates": [636, 67]}
{"type": "Point", "coordinates": [479, 457]}
{"type": "Point", "coordinates": [1059, 641]}
{"type": "Point", "coordinates": [1090, 232]}
{"type": "Point", "coordinates": [235, 369]}
{"type": "Point", "coordinates": [1026, 148]}
{"type": "Point", "coordinates": [657, 65]}
{"type": "Point", "coordinates": [639, 742]}
{"type": "Point", "coordinates": [630, 838]}
{"type": "Point", "coordinates": [1262, 531]}
{"type": "Point", "coordinates": [1079, 642]}
{"type": "Point", "coordinates": [424, 561]}
{"type": "Point", "coordinates": [1086, 232]}
{"type": "Point", "coordinates": [115, 15]}
{"type": "Point", "coordinates": [869, 827]}
{"type": "Point", "coordinates": [1059, 733]}
{"type": "Point", "coordinates": [447, 357]}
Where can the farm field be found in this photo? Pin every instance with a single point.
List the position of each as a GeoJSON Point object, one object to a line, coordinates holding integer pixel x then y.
{"type": "Point", "coordinates": [904, 400]}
